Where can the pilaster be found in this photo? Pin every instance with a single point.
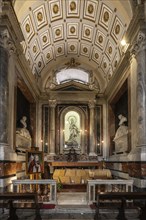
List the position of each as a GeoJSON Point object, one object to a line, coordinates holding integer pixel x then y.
{"type": "Point", "coordinates": [52, 105]}
{"type": "Point", "coordinates": [92, 128]}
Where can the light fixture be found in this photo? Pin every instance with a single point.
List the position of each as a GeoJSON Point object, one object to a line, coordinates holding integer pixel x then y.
{"type": "Point", "coordinates": [123, 42]}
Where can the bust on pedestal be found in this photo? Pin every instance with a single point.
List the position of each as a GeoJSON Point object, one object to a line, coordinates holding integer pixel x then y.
{"type": "Point", "coordinates": [23, 138]}
{"type": "Point", "coordinates": [121, 136]}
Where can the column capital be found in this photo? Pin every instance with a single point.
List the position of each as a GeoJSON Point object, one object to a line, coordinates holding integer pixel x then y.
{"type": "Point", "coordinates": [6, 42]}
{"type": "Point", "coordinates": [92, 103]}
{"type": "Point", "coordinates": [140, 43]}
{"type": "Point", "coordinates": [52, 103]}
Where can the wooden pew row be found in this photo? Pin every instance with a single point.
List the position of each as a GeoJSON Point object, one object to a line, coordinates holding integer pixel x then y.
{"type": "Point", "coordinates": [123, 197]}
{"type": "Point", "coordinates": [9, 198]}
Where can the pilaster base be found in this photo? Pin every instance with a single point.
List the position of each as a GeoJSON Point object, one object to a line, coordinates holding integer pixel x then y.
{"type": "Point", "coordinates": [6, 153]}
{"type": "Point", "coordinates": [138, 154]}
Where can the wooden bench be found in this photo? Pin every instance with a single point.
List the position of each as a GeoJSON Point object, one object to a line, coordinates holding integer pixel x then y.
{"type": "Point", "coordinates": [9, 198]}
{"type": "Point", "coordinates": [123, 197]}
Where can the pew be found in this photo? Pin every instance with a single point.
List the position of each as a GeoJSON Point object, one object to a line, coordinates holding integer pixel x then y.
{"type": "Point", "coordinates": [123, 197]}
{"type": "Point", "coordinates": [11, 197]}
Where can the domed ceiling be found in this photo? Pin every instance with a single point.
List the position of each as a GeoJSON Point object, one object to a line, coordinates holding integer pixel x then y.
{"type": "Point", "coordinates": [90, 31]}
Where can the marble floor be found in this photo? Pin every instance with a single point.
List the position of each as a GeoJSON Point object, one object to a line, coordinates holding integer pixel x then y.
{"type": "Point", "coordinates": [72, 198]}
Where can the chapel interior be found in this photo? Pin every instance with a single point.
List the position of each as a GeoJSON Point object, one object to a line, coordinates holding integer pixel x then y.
{"type": "Point", "coordinates": [72, 98]}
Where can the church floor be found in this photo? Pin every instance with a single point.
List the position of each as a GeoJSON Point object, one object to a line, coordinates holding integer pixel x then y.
{"type": "Point", "coordinates": [71, 205]}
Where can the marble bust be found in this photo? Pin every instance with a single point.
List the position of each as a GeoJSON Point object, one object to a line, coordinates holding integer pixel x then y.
{"type": "Point", "coordinates": [23, 131]}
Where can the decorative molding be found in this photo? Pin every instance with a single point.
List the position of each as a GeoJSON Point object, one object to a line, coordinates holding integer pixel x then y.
{"type": "Point", "coordinates": [6, 42]}
{"type": "Point", "coordinates": [140, 43]}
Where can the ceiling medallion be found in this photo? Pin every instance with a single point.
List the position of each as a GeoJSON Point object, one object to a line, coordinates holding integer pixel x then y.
{"type": "Point", "coordinates": [39, 64]}
{"type": "Point", "coordinates": [48, 55]}
{"type": "Point", "coordinates": [34, 49]}
{"type": "Point", "coordinates": [106, 16]}
{"type": "Point", "coordinates": [27, 28]}
{"type": "Point", "coordinates": [72, 6]}
{"type": "Point", "coordinates": [100, 39]}
{"type": "Point", "coordinates": [110, 50]}
{"type": "Point", "coordinates": [59, 49]}
{"type": "Point", "coordinates": [90, 8]}
{"type": "Point", "coordinates": [28, 61]}
{"type": "Point", "coordinates": [44, 39]}
{"type": "Point", "coordinates": [96, 55]}
{"type": "Point", "coordinates": [72, 47]}
{"type": "Point", "coordinates": [55, 9]}
{"type": "Point", "coordinates": [40, 16]}
{"type": "Point", "coordinates": [72, 29]}
{"type": "Point", "coordinates": [117, 29]}
{"type": "Point", "coordinates": [85, 49]}
{"type": "Point", "coordinates": [87, 32]}
{"type": "Point", "coordinates": [72, 63]}
{"type": "Point", "coordinates": [105, 65]}
{"type": "Point", "coordinates": [109, 76]}
{"type": "Point", "coordinates": [58, 32]}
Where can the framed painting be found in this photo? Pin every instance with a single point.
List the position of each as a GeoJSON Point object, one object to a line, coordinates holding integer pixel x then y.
{"type": "Point", "coordinates": [34, 162]}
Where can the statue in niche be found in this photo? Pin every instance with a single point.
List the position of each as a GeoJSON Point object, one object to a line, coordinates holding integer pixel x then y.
{"type": "Point", "coordinates": [23, 131]}
{"type": "Point", "coordinates": [74, 132]}
{"type": "Point", "coordinates": [121, 136]}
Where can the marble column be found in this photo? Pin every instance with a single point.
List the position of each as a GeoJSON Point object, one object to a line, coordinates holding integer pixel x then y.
{"type": "Point", "coordinates": [92, 130]}
{"type": "Point", "coordinates": [139, 50]}
{"type": "Point", "coordinates": [52, 105]}
{"type": "Point", "coordinates": [4, 60]}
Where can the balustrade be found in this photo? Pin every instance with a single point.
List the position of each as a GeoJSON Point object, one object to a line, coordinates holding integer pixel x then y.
{"type": "Point", "coordinates": [46, 189]}
{"type": "Point", "coordinates": [100, 185]}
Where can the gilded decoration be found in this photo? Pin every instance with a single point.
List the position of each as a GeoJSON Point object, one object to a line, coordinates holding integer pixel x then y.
{"type": "Point", "coordinates": [55, 9]}
{"type": "Point", "coordinates": [58, 32]}
{"type": "Point", "coordinates": [72, 30]}
{"type": "Point", "coordinates": [44, 39]}
{"type": "Point", "coordinates": [39, 64]}
{"type": "Point", "coordinates": [106, 16]}
{"type": "Point", "coordinates": [59, 49]}
{"type": "Point", "coordinates": [115, 64]}
{"type": "Point", "coordinates": [72, 6]}
{"type": "Point", "coordinates": [110, 50]}
{"type": "Point", "coordinates": [87, 32]}
{"type": "Point", "coordinates": [85, 49]}
{"type": "Point", "coordinates": [96, 55]}
{"type": "Point", "coordinates": [27, 28]}
{"type": "Point", "coordinates": [86, 20]}
{"type": "Point", "coordinates": [72, 47]}
{"type": "Point", "coordinates": [105, 65]}
{"type": "Point", "coordinates": [48, 55]}
{"type": "Point", "coordinates": [40, 16]}
{"type": "Point", "coordinates": [117, 29]}
{"type": "Point", "coordinates": [100, 39]}
{"type": "Point", "coordinates": [90, 8]}
{"type": "Point", "coordinates": [34, 49]}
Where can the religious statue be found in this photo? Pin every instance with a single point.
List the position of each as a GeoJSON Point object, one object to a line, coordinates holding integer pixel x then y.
{"type": "Point", "coordinates": [121, 136]}
{"type": "Point", "coordinates": [74, 132]}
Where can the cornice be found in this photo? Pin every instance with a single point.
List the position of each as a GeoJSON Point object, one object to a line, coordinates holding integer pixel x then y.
{"type": "Point", "coordinates": [120, 74]}
{"type": "Point", "coordinates": [9, 19]}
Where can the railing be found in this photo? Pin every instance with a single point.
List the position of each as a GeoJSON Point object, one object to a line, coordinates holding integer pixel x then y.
{"type": "Point", "coordinates": [106, 185]}
{"type": "Point", "coordinates": [46, 189]}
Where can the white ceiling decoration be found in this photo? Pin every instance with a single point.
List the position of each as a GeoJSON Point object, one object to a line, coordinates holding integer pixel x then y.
{"type": "Point", "coordinates": [88, 30]}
